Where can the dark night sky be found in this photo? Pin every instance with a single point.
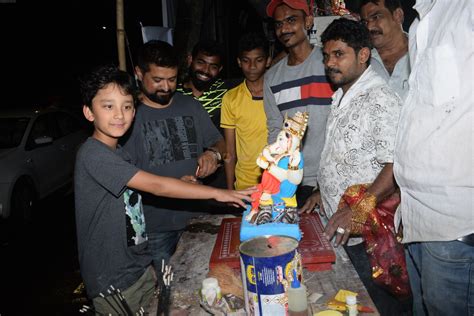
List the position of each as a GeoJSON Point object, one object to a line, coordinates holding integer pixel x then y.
{"type": "Point", "coordinates": [47, 44]}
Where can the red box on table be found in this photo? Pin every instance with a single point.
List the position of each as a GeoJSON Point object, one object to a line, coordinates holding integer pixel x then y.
{"type": "Point", "coordinates": [316, 251]}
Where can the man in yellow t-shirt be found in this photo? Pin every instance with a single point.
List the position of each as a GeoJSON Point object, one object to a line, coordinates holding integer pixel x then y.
{"type": "Point", "coordinates": [243, 117]}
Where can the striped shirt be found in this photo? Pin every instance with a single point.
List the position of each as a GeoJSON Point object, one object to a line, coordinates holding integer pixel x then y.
{"type": "Point", "coordinates": [211, 99]}
{"type": "Point", "coordinates": [303, 87]}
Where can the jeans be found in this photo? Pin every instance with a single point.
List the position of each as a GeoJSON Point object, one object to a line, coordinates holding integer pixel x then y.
{"type": "Point", "coordinates": [162, 246]}
{"type": "Point", "coordinates": [386, 303]}
{"type": "Point", "coordinates": [441, 278]}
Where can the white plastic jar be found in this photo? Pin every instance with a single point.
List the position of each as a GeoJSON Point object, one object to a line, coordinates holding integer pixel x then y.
{"type": "Point", "coordinates": [210, 291]}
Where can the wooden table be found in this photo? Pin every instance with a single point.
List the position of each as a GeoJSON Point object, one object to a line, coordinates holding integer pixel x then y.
{"type": "Point", "coordinates": [191, 264]}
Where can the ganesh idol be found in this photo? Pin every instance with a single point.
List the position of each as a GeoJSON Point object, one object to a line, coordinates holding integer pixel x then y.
{"type": "Point", "coordinates": [282, 161]}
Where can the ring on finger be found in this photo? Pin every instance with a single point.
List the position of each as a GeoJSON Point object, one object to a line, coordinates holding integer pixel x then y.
{"type": "Point", "coordinates": [341, 230]}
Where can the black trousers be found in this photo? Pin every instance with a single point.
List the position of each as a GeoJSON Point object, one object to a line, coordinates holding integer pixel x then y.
{"type": "Point", "coordinates": [386, 303]}
{"type": "Point", "coordinates": [302, 194]}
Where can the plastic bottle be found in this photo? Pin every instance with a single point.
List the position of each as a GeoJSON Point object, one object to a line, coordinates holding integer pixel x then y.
{"type": "Point", "coordinates": [351, 304]}
{"type": "Point", "coordinates": [210, 291]}
{"type": "Point", "coordinates": [297, 298]}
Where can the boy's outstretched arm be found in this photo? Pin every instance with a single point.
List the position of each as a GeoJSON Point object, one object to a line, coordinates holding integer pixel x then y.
{"type": "Point", "coordinates": [174, 188]}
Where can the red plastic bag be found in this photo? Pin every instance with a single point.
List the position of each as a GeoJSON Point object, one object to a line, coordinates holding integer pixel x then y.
{"type": "Point", "coordinates": [386, 254]}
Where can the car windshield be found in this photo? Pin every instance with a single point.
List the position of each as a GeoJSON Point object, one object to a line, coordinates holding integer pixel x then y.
{"type": "Point", "coordinates": [12, 130]}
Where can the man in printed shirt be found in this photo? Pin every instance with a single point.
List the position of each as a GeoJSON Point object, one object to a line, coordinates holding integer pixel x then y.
{"type": "Point", "coordinates": [384, 19]}
{"type": "Point", "coordinates": [433, 161]}
{"type": "Point", "coordinates": [298, 83]}
{"type": "Point", "coordinates": [360, 137]}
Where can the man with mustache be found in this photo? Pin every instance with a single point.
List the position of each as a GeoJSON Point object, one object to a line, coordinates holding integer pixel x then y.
{"type": "Point", "coordinates": [390, 59]}
{"type": "Point", "coordinates": [167, 138]}
{"type": "Point", "coordinates": [360, 139]}
{"type": "Point", "coordinates": [203, 82]}
{"type": "Point", "coordinates": [298, 83]}
{"type": "Point", "coordinates": [204, 85]}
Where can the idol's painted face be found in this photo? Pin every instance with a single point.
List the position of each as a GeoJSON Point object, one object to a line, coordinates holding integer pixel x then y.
{"type": "Point", "coordinates": [283, 141]}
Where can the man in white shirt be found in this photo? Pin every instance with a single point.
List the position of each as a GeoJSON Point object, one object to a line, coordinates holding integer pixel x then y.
{"type": "Point", "coordinates": [434, 162]}
{"type": "Point", "coordinates": [389, 57]}
{"type": "Point", "coordinates": [384, 19]}
{"type": "Point", "coordinates": [360, 137]}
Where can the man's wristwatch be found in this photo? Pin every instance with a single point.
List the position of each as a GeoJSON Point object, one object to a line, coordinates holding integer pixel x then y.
{"type": "Point", "coordinates": [216, 153]}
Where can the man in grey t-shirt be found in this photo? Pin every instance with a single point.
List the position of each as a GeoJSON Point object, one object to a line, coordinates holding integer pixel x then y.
{"type": "Point", "coordinates": [168, 138]}
{"type": "Point", "coordinates": [120, 226]}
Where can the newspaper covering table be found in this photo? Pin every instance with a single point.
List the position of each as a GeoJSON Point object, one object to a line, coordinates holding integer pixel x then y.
{"type": "Point", "coordinates": [191, 264]}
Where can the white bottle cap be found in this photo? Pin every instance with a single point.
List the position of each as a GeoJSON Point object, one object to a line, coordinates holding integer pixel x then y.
{"type": "Point", "coordinates": [209, 283]}
{"type": "Point", "coordinates": [351, 300]}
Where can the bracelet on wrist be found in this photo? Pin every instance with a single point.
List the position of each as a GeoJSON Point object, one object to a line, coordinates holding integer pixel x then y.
{"type": "Point", "coordinates": [216, 153]}
{"type": "Point", "coordinates": [361, 211]}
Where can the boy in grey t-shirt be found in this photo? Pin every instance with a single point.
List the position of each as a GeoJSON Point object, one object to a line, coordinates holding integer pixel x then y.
{"type": "Point", "coordinates": [109, 215]}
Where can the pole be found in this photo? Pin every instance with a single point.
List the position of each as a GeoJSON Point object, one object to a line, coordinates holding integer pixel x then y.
{"type": "Point", "coordinates": [164, 10]}
{"type": "Point", "coordinates": [121, 36]}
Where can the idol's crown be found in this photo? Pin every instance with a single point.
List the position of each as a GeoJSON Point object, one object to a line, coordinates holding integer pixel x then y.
{"type": "Point", "coordinates": [297, 124]}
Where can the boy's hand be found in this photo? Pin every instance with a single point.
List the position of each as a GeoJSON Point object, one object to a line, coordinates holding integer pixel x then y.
{"type": "Point", "coordinates": [207, 164]}
{"type": "Point", "coordinates": [235, 198]}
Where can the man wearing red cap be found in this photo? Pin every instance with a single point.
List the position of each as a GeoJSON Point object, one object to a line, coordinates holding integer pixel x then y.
{"type": "Point", "coordinates": [298, 83]}
{"type": "Point", "coordinates": [294, 4]}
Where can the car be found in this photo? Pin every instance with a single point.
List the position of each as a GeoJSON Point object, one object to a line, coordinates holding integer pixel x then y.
{"type": "Point", "coordinates": [37, 154]}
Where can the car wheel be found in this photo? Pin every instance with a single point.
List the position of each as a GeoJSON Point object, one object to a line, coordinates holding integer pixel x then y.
{"type": "Point", "coordinates": [23, 199]}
